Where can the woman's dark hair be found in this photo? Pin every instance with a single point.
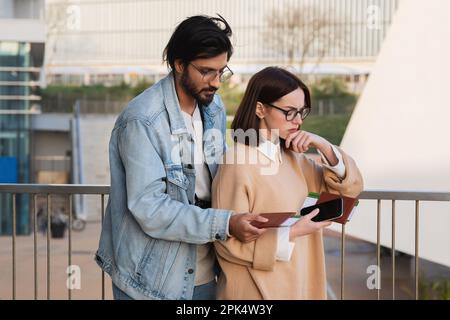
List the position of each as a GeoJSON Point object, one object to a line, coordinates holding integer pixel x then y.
{"type": "Point", "coordinates": [198, 37]}
{"type": "Point", "coordinates": [266, 86]}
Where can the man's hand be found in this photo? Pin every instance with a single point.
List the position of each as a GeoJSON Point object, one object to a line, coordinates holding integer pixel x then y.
{"type": "Point", "coordinates": [240, 227]}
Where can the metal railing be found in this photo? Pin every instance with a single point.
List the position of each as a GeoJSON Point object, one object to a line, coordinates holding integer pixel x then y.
{"type": "Point", "coordinates": [68, 190]}
{"type": "Point", "coordinates": [379, 195]}
{"type": "Point", "coordinates": [102, 190]}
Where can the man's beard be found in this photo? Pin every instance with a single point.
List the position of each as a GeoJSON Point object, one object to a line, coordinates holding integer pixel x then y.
{"type": "Point", "coordinates": [190, 89]}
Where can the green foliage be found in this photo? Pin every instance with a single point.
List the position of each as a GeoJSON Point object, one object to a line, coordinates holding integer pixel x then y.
{"type": "Point", "coordinates": [329, 87]}
{"type": "Point", "coordinates": [58, 98]}
{"type": "Point", "coordinates": [231, 97]}
{"type": "Point", "coordinates": [333, 90]}
{"type": "Point", "coordinates": [140, 87]}
{"type": "Point", "coordinates": [330, 127]}
{"type": "Point", "coordinates": [92, 92]}
{"type": "Point", "coordinates": [434, 290]}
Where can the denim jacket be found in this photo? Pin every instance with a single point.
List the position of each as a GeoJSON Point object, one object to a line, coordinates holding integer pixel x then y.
{"type": "Point", "coordinates": [151, 227]}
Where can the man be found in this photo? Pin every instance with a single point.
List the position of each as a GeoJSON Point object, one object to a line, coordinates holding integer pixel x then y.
{"type": "Point", "coordinates": [164, 151]}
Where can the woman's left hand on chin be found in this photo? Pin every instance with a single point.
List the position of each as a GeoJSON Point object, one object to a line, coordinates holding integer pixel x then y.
{"type": "Point", "coordinates": [300, 141]}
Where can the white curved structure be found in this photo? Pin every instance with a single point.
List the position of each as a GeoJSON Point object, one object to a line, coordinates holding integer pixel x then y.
{"type": "Point", "coordinates": [399, 133]}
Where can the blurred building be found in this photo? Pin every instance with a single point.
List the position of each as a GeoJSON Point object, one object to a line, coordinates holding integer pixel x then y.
{"type": "Point", "coordinates": [22, 37]}
{"type": "Point", "coordinates": [109, 41]}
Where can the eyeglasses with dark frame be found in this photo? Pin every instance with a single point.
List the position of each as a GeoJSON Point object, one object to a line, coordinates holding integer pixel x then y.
{"type": "Point", "coordinates": [210, 75]}
{"type": "Point", "coordinates": [292, 112]}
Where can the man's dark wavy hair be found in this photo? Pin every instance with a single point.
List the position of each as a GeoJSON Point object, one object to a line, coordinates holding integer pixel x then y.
{"type": "Point", "coordinates": [198, 37]}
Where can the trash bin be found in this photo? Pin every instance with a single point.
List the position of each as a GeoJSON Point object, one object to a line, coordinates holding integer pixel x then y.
{"type": "Point", "coordinates": [58, 225]}
{"type": "Point", "coordinates": [58, 229]}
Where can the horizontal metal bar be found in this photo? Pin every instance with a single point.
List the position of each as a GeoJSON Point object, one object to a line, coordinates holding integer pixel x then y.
{"type": "Point", "coordinates": [104, 189]}
{"type": "Point", "coordinates": [54, 188]}
{"type": "Point", "coordinates": [20, 69]}
{"type": "Point", "coordinates": [14, 112]}
{"type": "Point", "coordinates": [20, 83]}
{"type": "Point", "coordinates": [27, 97]}
{"type": "Point", "coordinates": [52, 158]}
{"type": "Point", "coordinates": [404, 195]}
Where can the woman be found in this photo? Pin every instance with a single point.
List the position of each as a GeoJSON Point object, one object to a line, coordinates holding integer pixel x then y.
{"type": "Point", "coordinates": [283, 263]}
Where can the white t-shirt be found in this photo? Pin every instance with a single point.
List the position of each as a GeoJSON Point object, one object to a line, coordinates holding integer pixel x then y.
{"type": "Point", "coordinates": [205, 253]}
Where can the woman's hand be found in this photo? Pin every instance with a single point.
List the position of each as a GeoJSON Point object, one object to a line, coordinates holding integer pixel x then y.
{"type": "Point", "coordinates": [306, 226]}
{"type": "Point", "coordinates": [300, 141]}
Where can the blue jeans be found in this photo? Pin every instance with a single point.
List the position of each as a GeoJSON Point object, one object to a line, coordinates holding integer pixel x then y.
{"type": "Point", "coordinates": [206, 291]}
{"type": "Point", "coordinates": [203, 292]}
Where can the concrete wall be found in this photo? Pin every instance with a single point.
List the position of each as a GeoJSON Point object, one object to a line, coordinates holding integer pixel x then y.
{"type": "Point", "coordinates": [95, 133]}
{"type": "Point", "coordinates": [399, 131]}
{"type": "Point", "coordinates": [51, 143]}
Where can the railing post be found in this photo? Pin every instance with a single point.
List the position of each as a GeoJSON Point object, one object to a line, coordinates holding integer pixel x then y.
{"type": "Point", "coordinates": [378, 248]}
{"type": "Point", "coordinates": [69, 209]}
{"type": "Point", "coordinates": [35, 245]}
{"type": "Point", "coordinates": [103, 272]}
{"type": "Point", "coordinates": [14, 246]}
{"type": "Point", "coordinates": [342, 260]}
{"type": "Point", "coordinates": [393, 250]}
{"type": "Point", "coordinates": [49, 190]}
{"type": "Point", "coordinates": [48, 244]}
{"type": "Point", "coordinates": [416, 253]}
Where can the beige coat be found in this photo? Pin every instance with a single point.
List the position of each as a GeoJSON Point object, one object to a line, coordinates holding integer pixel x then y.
{"type": "Point", "coordinates": [250, 270]}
